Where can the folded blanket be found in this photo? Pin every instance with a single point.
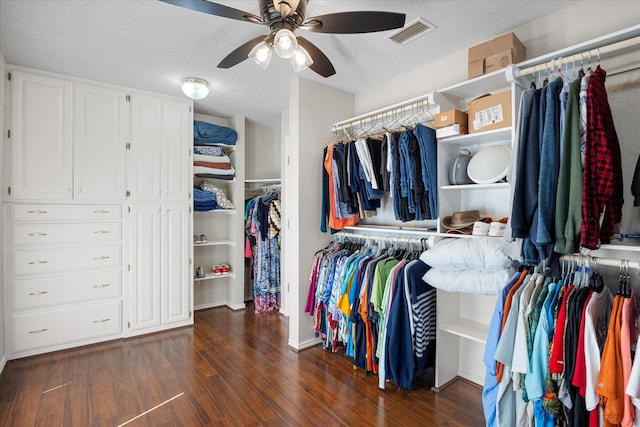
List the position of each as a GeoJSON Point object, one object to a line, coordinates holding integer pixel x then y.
{"type": "Point", "coordinates": [481, 254]}
{"type": "Point", "coordinates": [216, 176]}
{"type": "Point", "coordinates": [209, 150]}
{"type": "Point", "coordinates": [210, 134]}
{"type": "Point", "coordinates": [208, 158]}
{"type": "Point", "coordinates": [224, 166]}
{"type": "Point", "coordinates": [201, 169]}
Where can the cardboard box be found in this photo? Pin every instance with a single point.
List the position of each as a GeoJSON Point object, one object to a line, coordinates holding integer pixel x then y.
{"type": "Point", "coordinates": [450, 117]}
{"type": "Point", "coordinates": [495, 54]}
{"type": "Point", "coordinates": [453, 130]}
{"type": "Point", "coordinates": [490, 112]}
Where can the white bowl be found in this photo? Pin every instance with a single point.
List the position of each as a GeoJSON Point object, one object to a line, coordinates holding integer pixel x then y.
{"type": "Point", "coordinates": [489, 165]}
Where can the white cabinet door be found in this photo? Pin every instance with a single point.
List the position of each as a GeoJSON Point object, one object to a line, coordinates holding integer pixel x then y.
{"type": "Point", "coordinates": [145, 275]}
{"type": "Point", "coordinates": [177, 131]}
{"type": "Point", "coordinates": [41, 137]}
{"type": "Point", "coordinates": [176, 280]}
{"type": "Point", "coordinates": [100, 143]}
{"type": "Point", "coordinates": [145, 154]}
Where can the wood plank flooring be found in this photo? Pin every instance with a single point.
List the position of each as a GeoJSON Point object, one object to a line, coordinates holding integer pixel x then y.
{"type": "Point", "coordinates": [229, 369]}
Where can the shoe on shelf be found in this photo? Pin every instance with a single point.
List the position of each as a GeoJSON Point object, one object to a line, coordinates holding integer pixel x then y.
{"type": "Point", "coordinates": [196, 239]}
{"type": "Point", "coordinates": [203, 238]}
{"type": "Point", "coordinates": [224, 268]}
{"type": "Point", "coordinates": [217, 270]}
{"type": "Point", "coordinates": [199, 273]}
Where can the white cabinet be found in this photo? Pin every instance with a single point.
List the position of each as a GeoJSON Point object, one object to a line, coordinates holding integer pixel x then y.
{"type": "Point", "coordinates": [67, 171]}
{"type": "Point", "coordinates": [160, 149]}
{"type": "Point", "coordinates": [176, 271]}
{"type": "Point", "coordinates": [145, 155]}
{"type": "Point", "coordinates": [68, 139]}
{"type": "Point", "coordinates": [177, 137]}
{"type": "Point", "coordinates": [41, 140]}
{"type": "Point", "coordinates": [63, 276]}
{"type": "Point", "coordinates": [160, 278]}
{"type": "Point", "coordinates": [99, 142]}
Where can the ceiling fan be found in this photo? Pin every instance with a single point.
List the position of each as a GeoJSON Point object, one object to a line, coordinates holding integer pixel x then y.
{"type": "Point", "coordinates": [283, 17]}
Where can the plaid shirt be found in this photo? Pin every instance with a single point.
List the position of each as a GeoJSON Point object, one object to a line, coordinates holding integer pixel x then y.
{"type": "Point", "coordinates": [602, 174]}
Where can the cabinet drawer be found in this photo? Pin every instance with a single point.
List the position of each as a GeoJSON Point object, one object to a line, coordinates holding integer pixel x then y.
{"type": "Point", "coordinates": [37, 261]}
{"type": "Point", "coordinates": [64, 212]}
{"type": "Point", "coordinates": [43, 329]}
{"type": "Point", "coordinates": [58, 290]}
{"type": "Point", "coordinates": [56, 234]}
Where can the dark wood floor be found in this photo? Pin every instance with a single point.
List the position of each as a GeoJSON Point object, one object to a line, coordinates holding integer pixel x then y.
{"type": "Point", "coordinates": [230, 369]}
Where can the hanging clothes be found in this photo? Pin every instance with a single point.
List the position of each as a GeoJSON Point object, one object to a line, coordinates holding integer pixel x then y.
{"type": "Point", "coordinates": [567, 357]}
{"type": "Point", "coordinates": [370, 300]}
{"type": "Point", "coordinates": [262, 228]}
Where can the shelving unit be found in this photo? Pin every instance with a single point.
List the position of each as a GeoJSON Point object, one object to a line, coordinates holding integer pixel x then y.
{"type": "Point", "coordinates": [224, 231]}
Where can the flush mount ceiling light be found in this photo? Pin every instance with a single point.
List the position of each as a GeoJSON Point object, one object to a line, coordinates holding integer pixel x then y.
{"type": "Point", "coordinates": [284, 18]}
{"type": "Point", "coordinates": [195, 88]}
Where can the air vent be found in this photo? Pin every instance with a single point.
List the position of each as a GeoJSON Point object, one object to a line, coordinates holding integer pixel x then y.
{"type": "Point", "coordinates": [414, 29]}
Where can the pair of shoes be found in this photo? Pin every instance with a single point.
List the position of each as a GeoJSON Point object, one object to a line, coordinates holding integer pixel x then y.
{"type": "Point", "coordinates": [200, 239]}
{"type": "Point", "coordinates": [199, 273]}
{"type": "Point", "coordinates": [220, 269]}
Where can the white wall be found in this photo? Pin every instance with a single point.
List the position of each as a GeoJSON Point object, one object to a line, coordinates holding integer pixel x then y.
{"type": "Point", "coordinates": [577, 23]}
{"type": "Point", "coordinates": [262, 152]}
{"type": "Point", "coordinates": [313, 108]}
{"type": "Point", "coordinates": [3, 99]}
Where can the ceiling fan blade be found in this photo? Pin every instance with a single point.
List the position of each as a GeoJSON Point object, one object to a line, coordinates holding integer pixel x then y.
{"type": "Point", "coordinates": [321, 63]}
{"type": "Point", "coordinates": [216, 9]}
{"type": "Point", "coordinates": [354, 22]}
{"type": "Point", "coordinates": [241, 53]}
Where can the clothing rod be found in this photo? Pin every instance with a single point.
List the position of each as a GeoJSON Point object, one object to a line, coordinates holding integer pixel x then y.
{"type": "Point", "coordinates": [422, 232]}
{"type": "Point", "coordinates": [609, 262]}
{"type": "Point", "coordinates": [378, 238]}
{"type": "Point", "coordinates": [391, 110]}
{"type": "Point", "coordinates": [605, 48]}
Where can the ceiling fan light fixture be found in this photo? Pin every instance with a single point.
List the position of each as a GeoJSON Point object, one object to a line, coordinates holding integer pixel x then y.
{"type": "Point", "coordinates": [261, 54]}
{"type": "Point", "coordinates": [195, 88]}
{"type": "Point", "coordinates": [285, 43]}
{"type": "Point", "coordinates": [301, 60]}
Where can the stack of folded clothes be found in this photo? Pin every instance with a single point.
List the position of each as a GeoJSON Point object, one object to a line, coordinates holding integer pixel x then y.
{"type": "Point", "coordinates": [203, 200]}
{"type": "Point", "coordinates": [212, 162]}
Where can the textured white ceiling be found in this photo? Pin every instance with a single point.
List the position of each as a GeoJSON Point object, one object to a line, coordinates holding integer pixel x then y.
{"type": "Point", "coordinates": [151, 45]}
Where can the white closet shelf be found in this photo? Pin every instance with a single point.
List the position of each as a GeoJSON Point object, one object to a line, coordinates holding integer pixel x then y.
{"type": "Point", "coordinates": [216, 243]}
{"type": "Point", "coordinates": [221, 180]}
{"type": "Point", "coordinates": [494, 186]}
{"type": "Point", "coordinates": [469, 89]}
{"type": "Point", "coordinates": [622, 246]}
{"type": "Point", "coordinates": [479, 138]}
{"type": "Point", "coordinates": [213, 277]}
{"type": "Point", "coordinates": [217, 211]}
{"type": "Point", "coordinates": [262, 180]}
{"type": "Point", "coordinates": [466, 328]}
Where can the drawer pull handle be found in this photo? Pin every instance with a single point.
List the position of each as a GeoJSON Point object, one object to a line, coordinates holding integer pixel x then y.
{"type": "Point", "coordinates": [37, 211]}
{"type": "Point", "coordinates": [37, 262]}
{"type": "Point", "coordinates": [38, 331]}
{"type": "Point", "coordinates": [101, 211]}
{"type": "Point", "coordinates": [101, 285]}
{"type": "Point", "coordinates": [37, 293]}
{"type": "Point", "coordinates": [102, 232]}
{"type": "Point", "coordinates": [101, 320]}
{"type": "Point", "coordinates": [37, 234]}
{"type": "Point", "coordinates": [100, 258]}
